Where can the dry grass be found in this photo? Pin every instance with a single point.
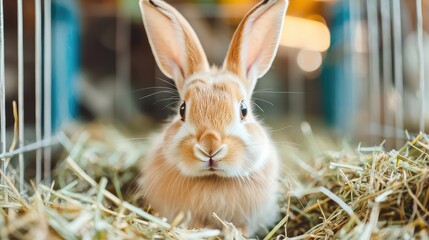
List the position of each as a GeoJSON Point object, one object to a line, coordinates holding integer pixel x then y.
{"type": "Point", "coordinates": [366, 193]}
{"type": "Point", "coordinates": [348, 194]}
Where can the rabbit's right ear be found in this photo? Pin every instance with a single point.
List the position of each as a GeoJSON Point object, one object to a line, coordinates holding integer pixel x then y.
{"type": "Point", "coordinates": [176, 47]}
{"type": "Point", "coordinates": [255, 42]}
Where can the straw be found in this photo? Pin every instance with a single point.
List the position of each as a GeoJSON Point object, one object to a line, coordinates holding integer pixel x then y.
{"type": "Point", "coordinates": [360, 193]}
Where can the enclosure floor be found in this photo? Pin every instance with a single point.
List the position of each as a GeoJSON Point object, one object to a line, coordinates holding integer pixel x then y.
{"type": "Point", "coordinates": [329, 189]}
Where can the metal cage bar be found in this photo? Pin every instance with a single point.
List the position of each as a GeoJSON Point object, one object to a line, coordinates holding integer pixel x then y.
{"type": "Point", "coordinates": [44, 143]}
{"type": "Point", "coordinates": [38, 79]}
{"type": "Point", "coordinates": [374, 58]}
{"type": "Point", "coordinates": [386, 32]}
{"type": "Point", "coordinates": [355, 13]}
{"type": "Point", "coordinates": [2, 97]}
{"type": "Point", "coordinates": [21, 93]}
{"type": "Point", "coordinates": [421, 91]}
{"type": "Point", "coordinates": [398, 72]}
{"type": "Point", "coordinates": [47, 87]}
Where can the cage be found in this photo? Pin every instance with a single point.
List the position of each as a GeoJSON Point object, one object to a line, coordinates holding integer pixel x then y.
{"type": "Point", "coordinates": [358, 69]}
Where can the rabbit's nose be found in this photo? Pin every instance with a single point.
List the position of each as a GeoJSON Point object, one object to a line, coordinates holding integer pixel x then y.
{"type": "Point", "coordinates": [213, 158]}
{"type": "Point", "coordinates": [201, 152]}
{"type": "Point", "coordinates": [210, 143]}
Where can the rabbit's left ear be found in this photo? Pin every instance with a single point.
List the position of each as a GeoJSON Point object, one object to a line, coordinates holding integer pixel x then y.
{"type": "Point", "coordinates": [255, 42]}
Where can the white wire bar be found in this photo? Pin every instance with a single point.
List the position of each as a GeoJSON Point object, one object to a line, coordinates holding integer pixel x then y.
{"type": "Point", "coordinates": [355, 17]}
{"type": "Point", "coordinates": [374, 58]}
{"type": "Point", "coordinates": [21, 93]}
{"type": "Point", "coordinates": [386, 32]}
{"type": "Point", "coordinates": [31, 147]}
{"type": "Point", "coordinates": [38, 78]}
{"type": "Point", "coordinates": [398, 71]}
{"type": "Point", "coordinates": [2, 98]}
{"type": "Point", "coordinates": [47, 87]}
{"type": "Point", "coordinates": [420, 50]}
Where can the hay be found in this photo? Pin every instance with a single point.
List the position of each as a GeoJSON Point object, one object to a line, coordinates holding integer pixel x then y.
{"type": "Point", "coordinates": [366, 193]}
{"type": "Point", "coordinates": [363, 194]}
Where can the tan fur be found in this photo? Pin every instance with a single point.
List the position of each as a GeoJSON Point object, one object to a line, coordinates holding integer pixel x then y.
{"type": "Point", "coordinates": [255, 42]}
{"type": "Point", "coordinates": [178, 59]}
{"type": "Point", "coordinates": [194, 58]}
{"type": "Point", "coordinates": [221, 94]}
{"type": "Point", "coordinates": [240, 201]}
{"type": "Point", "coordinates": [212, 160]}
{"type": "Point", "coordinates": [233, 57]}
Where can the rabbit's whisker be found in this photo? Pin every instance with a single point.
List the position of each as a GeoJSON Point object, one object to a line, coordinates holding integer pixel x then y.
{"type": "Point", "coordinates": [153, 94]}
{"type": "Point", "coordinates": [263, 100]}
{"type": "Point", "coordinates": [257, 106]}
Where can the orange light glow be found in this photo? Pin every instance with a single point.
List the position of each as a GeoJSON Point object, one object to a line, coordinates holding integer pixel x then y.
{"type": "Point", "coordinates": [305, 34]}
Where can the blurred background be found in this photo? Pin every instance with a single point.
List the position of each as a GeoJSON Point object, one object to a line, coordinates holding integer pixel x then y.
{"type": "Point", "coordinates": [357, 68]}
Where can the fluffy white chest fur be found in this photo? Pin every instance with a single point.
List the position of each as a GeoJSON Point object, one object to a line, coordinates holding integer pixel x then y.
{"type": "Point", "coordinates": [250, 203]}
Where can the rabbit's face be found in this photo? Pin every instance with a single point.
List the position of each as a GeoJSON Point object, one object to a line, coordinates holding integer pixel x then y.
{"type": "Point", "coordinates": [214, 132]}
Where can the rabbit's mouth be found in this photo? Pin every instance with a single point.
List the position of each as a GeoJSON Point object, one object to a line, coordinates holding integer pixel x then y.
{"type": "Point", "coordinates": [214, 171]}
{"type": "Point", "coordinates": [213, 164]}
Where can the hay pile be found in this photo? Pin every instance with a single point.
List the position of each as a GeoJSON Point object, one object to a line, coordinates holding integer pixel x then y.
{"type": "Point", "coordinates": [348, 194]}
{"type": "Point", "coordinates": [363, 194]}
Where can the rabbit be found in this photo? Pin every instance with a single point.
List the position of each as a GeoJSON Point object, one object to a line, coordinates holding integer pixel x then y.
{"type": "Point", "coordinates": [213, 156]}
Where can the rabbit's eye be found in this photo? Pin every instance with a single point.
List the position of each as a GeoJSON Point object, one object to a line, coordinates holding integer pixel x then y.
{"type": "Point", "coordinates": [182, 111]}
{"type": "Point", "coordinates": [243, 110]}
